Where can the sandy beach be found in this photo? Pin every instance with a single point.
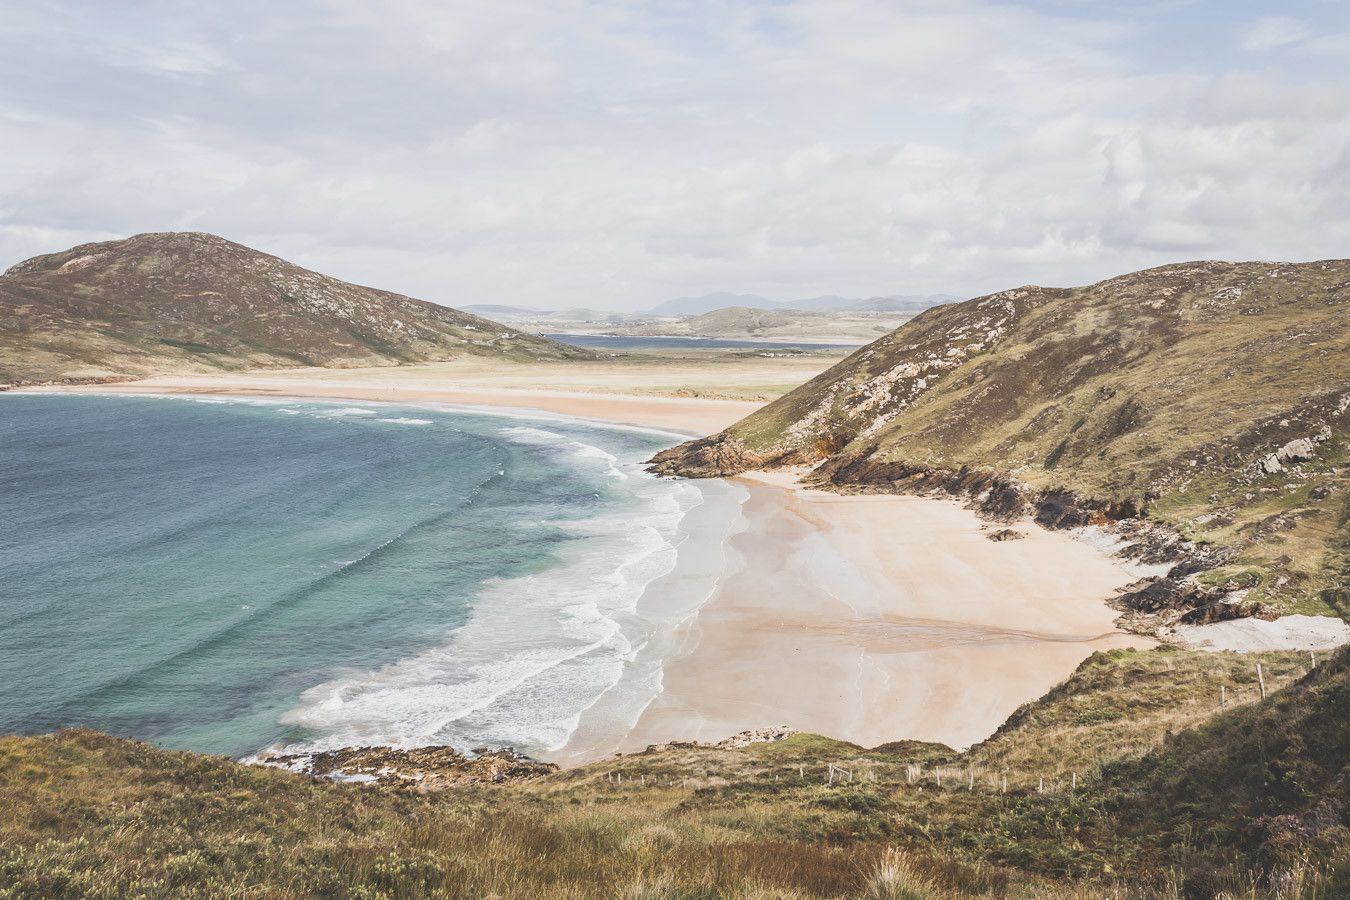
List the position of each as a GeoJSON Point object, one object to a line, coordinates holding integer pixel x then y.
{"type": "Point", "coordinates": [873, 619]}
{"type": "Point", "coordinates": [865, 618]}
{"type": "Point", "coordinates": [685, 415]}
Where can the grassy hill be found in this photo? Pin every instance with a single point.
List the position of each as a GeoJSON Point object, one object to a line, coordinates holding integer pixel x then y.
{"type": "Point", "coordinates": [1174, 796]}
{"type": "Point", "coordinates": [775, 324]}
{"type": "Point", "coordinates": [1212, 397]}
{"type": "Point", "coordinates": [187, 302]}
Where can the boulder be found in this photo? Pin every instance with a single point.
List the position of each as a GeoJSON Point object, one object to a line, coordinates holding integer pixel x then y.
{"type": "Point", "coordinates": [1295, 450]}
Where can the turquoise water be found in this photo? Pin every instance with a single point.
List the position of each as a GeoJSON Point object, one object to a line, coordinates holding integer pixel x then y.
{"type": "Point", "coordinates": [225, 576]}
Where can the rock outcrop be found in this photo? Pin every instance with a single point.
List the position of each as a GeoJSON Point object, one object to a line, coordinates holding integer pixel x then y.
{"type": "Point", "coordinates": [420, 770]}
{"type": "Point", "coordinates": [737, 741]}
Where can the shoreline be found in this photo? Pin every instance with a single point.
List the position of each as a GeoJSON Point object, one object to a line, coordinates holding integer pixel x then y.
{"type": "Point", "coordinates": [868, 618]}
{"type": "Point", "coordinates": [836, 614]}
{"type": "Point", "coordinates": [689, 416]}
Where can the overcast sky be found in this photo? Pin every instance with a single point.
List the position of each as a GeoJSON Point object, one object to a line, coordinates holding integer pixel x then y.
{"type": "Point", "coordinates": [616, 154]}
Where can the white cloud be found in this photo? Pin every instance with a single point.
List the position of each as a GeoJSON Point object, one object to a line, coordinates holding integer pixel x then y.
{"type": "Point", "coordinates": [615, 154]}
{"type": "Point", "coordinates": [1274, 32]}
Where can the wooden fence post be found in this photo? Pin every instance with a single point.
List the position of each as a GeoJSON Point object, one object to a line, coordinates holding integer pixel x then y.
{"type": "Point", "coordinates": [1223, 697]}
{"type": "Point", "coordinates": [1261, 679]}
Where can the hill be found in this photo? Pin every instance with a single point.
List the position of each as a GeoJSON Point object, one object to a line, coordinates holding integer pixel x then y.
{"type": "Point", "coordinates": [183, 301]}
{"type": "Point", "coordinates": [902, 303]}
{"type": "Point", "coordinates": [772, 324]}
{"type": "Point", "coordinates": [697, 306]}
{"type": "Point", "coordinates": [1209, 397]}
{"type": "Point", "coordinates": [1129, 781]}
{"type": "Point", "coordinates": [502, 311]}
{"type": "Point", "coordinates": [707, 303]}
{"type": "Point", "coordinates": [527, 316]}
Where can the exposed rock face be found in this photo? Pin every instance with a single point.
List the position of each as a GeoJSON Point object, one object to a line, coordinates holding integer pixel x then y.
{"type": "Point", "coordinates": [1209, 395]}
{"type": "Point", "coordinates": [735, 742]}
{"type": "Point", "coordinates": [420, 770]}
{"type": "Point", "coordinates": [188, 301]}
{"type": "Point", "coordinates": [715, 457]}
{"type": "Point", "coordinates": [1295, 451]}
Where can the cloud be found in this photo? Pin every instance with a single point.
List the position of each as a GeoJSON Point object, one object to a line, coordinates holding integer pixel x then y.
{"type": "Point", "coordinates": [1274, 32]}
{"type": "Point", "coordinates": [616, 154]}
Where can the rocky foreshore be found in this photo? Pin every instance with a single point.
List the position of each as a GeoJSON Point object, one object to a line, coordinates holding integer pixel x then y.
{"type": "Point", "coordinates": [419, 770]}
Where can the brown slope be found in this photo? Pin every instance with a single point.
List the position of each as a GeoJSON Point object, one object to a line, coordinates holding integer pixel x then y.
{"type": "Point", "coordinates": [185, 301]}
{"type": "Point", "coordinates": [1174, 393]}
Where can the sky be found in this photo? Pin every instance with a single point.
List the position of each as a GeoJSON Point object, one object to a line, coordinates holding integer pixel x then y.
{"type": "Point", "coordinates": [561, 153]}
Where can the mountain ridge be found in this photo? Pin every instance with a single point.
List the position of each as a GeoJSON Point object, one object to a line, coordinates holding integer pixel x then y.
{"type": "Point", "coordinates": [191, 301]}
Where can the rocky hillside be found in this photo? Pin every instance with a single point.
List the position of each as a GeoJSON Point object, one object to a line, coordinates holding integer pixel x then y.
{"type": "Point", "coordinates": [1211, 397]}
{"type": "Point", "coordinates": [184, 301]}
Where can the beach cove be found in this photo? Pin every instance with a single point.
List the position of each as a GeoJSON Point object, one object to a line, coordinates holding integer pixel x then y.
{"type": "Point", "coordinates": [865, 618]}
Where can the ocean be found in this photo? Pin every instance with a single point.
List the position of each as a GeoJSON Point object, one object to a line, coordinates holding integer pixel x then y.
{"type": "Point", "coordinates": [228, 575]}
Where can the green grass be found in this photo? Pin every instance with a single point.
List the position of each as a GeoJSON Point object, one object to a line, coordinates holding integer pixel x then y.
{"type": "Point", "coordinates": [1172, 792]}
{"type": "Point", "coordinates": [1162, 388]}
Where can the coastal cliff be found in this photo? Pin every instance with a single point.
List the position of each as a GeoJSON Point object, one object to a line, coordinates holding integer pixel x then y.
{"type": "Point", "coordinates": [1200, 409]}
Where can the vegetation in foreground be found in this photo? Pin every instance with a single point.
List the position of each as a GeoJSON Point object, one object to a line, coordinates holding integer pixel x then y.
{"type": "Point", "coordinates": [1148, 773]}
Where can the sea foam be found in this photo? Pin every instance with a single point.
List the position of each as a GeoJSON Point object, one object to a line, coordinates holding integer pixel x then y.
{"type": "Point", "coordinates": [537, 651]}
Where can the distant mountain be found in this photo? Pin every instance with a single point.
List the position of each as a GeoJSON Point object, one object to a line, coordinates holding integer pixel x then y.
{"type": "Point", "coordinates": [583, 314]}
{"type": "Point", "coordinates": [915, 303]}
{"type": "Point", "coordinates": [500, 311]}
{"type": "Point", "coordinates": [527, 314]}
{"type": "Point", "coordinates": [697, 306]}
{"type": "Point", "coordinates": [694, 306]}
{"type": "Point", "coordinates": [186, 301]}
{"type": "Point", "coordinates": [739, 322]}
{"type": "Point", "coordinates": [1213, 397]}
